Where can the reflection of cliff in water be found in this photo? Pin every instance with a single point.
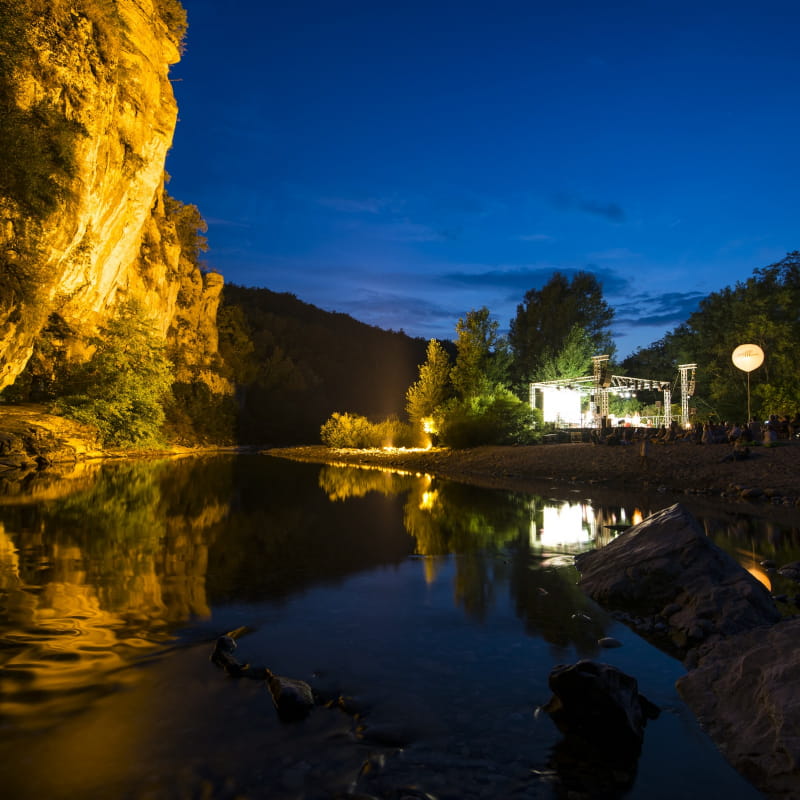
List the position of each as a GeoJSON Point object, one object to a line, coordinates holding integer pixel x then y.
{"type": "Point", "coordinates": [95, 578]}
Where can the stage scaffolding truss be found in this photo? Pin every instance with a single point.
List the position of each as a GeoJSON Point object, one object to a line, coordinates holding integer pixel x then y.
{"type": "Point", "coordinates": [599, 385]}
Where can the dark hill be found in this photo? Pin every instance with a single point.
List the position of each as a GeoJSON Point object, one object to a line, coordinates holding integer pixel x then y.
{"type": "Point", "coordinates": [295, 365]}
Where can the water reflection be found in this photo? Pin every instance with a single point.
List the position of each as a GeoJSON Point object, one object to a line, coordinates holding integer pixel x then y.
{"type": "Point", "coordinates": [98, 569]}
{"type": "Point", "coordinates": [132, 564]}
{"type": "Point", "coordinates": [92, 579]}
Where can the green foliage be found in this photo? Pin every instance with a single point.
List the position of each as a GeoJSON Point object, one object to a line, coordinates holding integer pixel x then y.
{"type": "Point", "coordinates": [547, 316]}
{"type": "Point", "coordinates": [123, 387]}
{"type": "Point", "coordinates": [626, 406]}
{"type": "Point", "coordinates": [174, 16]}
{"type": "Point", "coordinates": [236, 345]}
{"type": "Point", "coordinates": [761, 310]}
{"type": "Point", "coordinates": [395, 433]}
{"type": "Point", "coordinates": [189, 227]}
{"type": "Point", "coordinates": [196, 415]}
{"type": "Point", "coordinates": [44, 374]}
{"type": "Point", "coordinates": [353, 430]}
{"type": "Point", "coordinates": [38, 157]}
{"type": "Point", "coordinates": [431, 389]}
{"type": "Point", "coordinates": [482, 357]}
{"type": "Point", "coordinates": [574, 360]}
{"type": "Point", "coordinates": [37, 144]}
{"type": "Point", "coordinates": [499, 418]}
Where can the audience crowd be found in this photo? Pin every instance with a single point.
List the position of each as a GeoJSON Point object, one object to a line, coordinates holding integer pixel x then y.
{"type": "Point", "coordinates": [769, 432]}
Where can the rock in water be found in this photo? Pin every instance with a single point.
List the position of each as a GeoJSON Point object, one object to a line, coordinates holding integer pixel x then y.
{"type": "Point", "coordinates": [667, 562]}
{"type": "Point", "coordinates": [599, 710]}
{"type": "Point", "coordinates": [599, 702]}
{"type": "Point", "coordinates": [293, 699]}
{"type": "Point", "coordinates": [223, 656]}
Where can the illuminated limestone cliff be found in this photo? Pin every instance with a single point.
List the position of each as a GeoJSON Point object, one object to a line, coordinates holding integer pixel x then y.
{"type": "Point", "coordinates": [88, 117]}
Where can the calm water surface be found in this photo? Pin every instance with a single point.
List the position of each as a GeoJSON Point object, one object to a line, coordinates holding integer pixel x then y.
{"type": "Point", "coordinates": [439, 609]}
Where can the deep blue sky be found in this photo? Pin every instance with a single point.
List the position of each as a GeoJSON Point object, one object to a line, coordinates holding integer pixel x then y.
{"type": "Point", "coordinates": [405, 162]}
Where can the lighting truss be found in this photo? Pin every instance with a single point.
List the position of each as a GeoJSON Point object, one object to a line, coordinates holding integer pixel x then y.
{"type": "Point", "coordinates": [600, 384]}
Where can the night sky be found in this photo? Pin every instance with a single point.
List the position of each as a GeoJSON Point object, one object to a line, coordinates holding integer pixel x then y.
{"type": "Point", "coordinates": [405, 162]}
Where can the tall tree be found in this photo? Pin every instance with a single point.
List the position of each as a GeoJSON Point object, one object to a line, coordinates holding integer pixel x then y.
{"type": "Point", "coordinates": [546, 318]}
{"type": "Point", "coordinates": [572, 361]}
{"type": "Point", "coordinates": [123, 387]}
{"type": "Point", "coordinates": [762, 310]}
{"type": "Point", "coordinates": [482, 358]}
{"type": "Point", "coordinates": [431, 389]}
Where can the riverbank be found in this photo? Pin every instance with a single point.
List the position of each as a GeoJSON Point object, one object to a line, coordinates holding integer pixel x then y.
{"type": "Point", "coordinates": [766, 482]}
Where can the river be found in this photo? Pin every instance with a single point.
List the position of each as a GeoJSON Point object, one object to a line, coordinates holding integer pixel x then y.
{"type": "Point", "coordinates": [435, 610]}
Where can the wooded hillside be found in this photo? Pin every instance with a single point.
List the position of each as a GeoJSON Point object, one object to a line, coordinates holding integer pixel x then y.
{"type": "Point", "coordinates": [294, 365]}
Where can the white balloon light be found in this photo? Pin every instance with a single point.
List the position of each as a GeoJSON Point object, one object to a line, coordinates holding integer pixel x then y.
{"type": "Point", "coordinates": [748, 357]}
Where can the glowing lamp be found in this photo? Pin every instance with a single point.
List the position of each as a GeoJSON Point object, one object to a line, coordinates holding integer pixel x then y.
{"type": "Point", "coordinates": [748, 357]}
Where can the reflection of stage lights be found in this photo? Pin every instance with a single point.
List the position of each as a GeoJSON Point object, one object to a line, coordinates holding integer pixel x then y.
{"type": "Point", "coordinates": [428, 500]}
{"type": "Point", "coordinates": [562, 526]}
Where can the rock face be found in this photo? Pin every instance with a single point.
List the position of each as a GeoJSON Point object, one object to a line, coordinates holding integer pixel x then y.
{"type": "Point", "coordinates": [744, 691]}
{"type": "Point", "coordinates": [667, 571]}
{"type": "Point", "coordinates": [92, 81]}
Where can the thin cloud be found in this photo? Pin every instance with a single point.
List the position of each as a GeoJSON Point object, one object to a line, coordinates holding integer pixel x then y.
{"type": "Point", "coordinates": [610, 211]}
{"type": "Point", "coordinates": [349, 205]}
{"type": "Point", "coordinates": [397, 311]}
{"type": "Point", "coordinates": [534, 237]}
{"type": "Point", "coordinates": [535, 277]}
{"type": "Point", "coordinates": [647, 311]}
{"type": "Point", "coordinates": [227, 223]}
{"type": "Point", "coordinates": [614, 254]}
{"type": "Point", "coordinates": [410, 232]}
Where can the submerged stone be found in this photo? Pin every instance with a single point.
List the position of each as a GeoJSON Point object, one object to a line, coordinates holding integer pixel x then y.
{"type": "Point", "coordinates": [293, 699]}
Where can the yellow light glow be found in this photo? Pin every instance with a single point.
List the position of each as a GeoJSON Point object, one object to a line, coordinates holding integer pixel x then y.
{"type": "Point", "coordinates": [760, 576]}
{"type": "Point", "coordinates": [428, 500]}
{"type": "Point", "coordinates": [637, 517]}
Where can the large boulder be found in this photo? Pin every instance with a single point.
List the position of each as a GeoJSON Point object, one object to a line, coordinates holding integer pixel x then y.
{"type": "Point", "coordinates": [678, 585]}
{"type": "Point", "coordinates": [744, 692]}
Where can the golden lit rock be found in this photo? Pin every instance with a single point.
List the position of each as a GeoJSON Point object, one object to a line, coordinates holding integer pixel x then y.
{"type": "Point", "coordinates": [102, 74]}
